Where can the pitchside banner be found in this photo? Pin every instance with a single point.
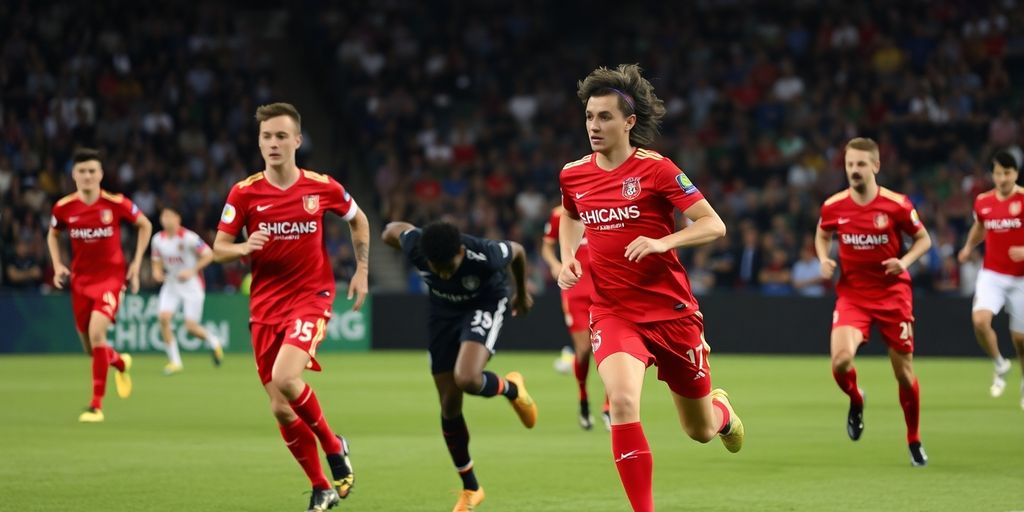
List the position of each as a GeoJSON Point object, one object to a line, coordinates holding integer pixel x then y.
{"type": "Point", "coordinates": [38, 323]}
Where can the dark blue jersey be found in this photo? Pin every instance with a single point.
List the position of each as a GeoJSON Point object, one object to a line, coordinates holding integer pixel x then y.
{"type": "Point", "coordinates": [481, 278]}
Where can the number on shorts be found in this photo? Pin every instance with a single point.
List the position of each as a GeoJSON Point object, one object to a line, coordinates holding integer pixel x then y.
{"type": "Point", "coordinates": [483, 319]}
{"type": "Point", "coordinates": [906, 330]}
{"type": "Point", "coordinates": [696, 356]}
{"type": "Point", "coordinates": [303, 330]}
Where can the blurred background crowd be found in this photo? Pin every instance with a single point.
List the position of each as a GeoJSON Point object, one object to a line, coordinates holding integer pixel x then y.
{"type": "Point", "coordinates": [469, 110]}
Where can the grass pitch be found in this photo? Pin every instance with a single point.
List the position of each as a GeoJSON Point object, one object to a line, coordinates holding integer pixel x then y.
{"type": "Point", "coordinates": [205, 440]}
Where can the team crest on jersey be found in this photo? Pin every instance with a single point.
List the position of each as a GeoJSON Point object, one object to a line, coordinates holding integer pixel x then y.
{"type": "Point", "coordinates": [1015, 208]}
{"type": "Point", "coordinates": [471, 283]}
{"type": "Point", "coordinates": [311, 203]}
{"type": "Point", "coordinates": [881, 221]}
{"type": "Point", "coordinates": [106, 216]}
{"type": "Point", "coordinates": [631, 188]}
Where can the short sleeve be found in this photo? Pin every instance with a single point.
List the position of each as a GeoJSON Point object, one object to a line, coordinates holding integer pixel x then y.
{"type": "Point", "coordinates": [232, 218]}
{"type": "Point", "coordinates": [907, 218]}
{"type": "Point", "coordinates": [57, 219]}
{"type": "Point", "coordinates": [410, 242]}
{"type": "Point", "coordinates": [672, 183]}
{"type": "Point", "coordinates": [197, 243]}
{"type": "Point", "coordinates": [498, 252]}
{"type": "Point", "coordinates": [340, 201]}
{"type": "Point", "coordinates": [827, 221]}
{"type": "Point", "coordinates": [567, 201]}
{"type": "Point", "coordinates": [128, 210]}
{"type": "Point", "coordinates": [154, 247]}
{"type": "Point", "coordinates": [551, 228]}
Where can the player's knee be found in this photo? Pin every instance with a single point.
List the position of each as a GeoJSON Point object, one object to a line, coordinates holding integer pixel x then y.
{"type": "Point", "coordinates": [191, 326]}
{"type": "Point", "coordinates": [282, 411]}
{"type": "Point", "coordinates": [470, 382]}
{"type": "Point", "coordinates": [288, 385]}
{"type": "Point", "coordinates": [623, 404]}
{"type": "Point", "coordinates": [165, 319]}
{"type": "Point", "coordinates": [842, 361]}
{"type": "Point", "coordinates": [982, 320]}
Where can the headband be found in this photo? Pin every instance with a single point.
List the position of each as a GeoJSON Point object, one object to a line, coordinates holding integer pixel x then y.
{"type": "Point", "coordinates": [628, 98]}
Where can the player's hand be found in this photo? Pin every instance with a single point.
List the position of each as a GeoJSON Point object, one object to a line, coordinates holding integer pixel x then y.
{"type": "Point", "coordinates": [570, 274]}
{"type": "Point", "coordinates": [828, 268]}
{"type": "Point", "coordinates": [522, 304]}
{"type": "Point", "coordinates": [643, 246]}
{"type": "Point", "coordinates": [358, 287]}
{"type": "Point", "coordinates": [255, 242]}
{"type": "Point", "coordinates": [133, 275]}
{"type": "Point", "coordinates": [60, 275]}
{"type": "Point", "coordinates": [1017, 253]}
{"type": "Point", "coordinates": [894, 267]}
{"type": "Point", "coordinates": [186, 274]}
{"type": "Point", "coordinates": [158, 275]}
{"type": "Point", "coordinates": [965, 254]}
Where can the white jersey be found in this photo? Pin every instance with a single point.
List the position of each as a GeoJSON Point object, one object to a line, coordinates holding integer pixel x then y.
{"type": "Point", "coordinates": [176, 252]}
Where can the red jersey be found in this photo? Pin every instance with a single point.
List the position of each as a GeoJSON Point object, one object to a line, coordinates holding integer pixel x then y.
{"type": "Point", "coordinates": [585, 285]}
{"type": "Point", "coordinates": [869, 235]}
{"type": "Point", "coordinates": [97, 260]}
{"type": "Point", "coordinates": [1004, 228]}
{"type": "Point", "coordinates": [637, 198]}
{"type": "Point", "coordinates": [292, 268]}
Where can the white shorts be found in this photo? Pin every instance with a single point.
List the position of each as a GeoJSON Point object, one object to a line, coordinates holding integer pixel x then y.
{"type": "Point", "coordinates": [994, 290]}
{"type": "Point", "coordinates": [189, 298]}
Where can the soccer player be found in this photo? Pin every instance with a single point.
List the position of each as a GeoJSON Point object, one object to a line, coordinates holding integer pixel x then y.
{"type": "Point", "coordinates": [469, 296]}
{"type": "Point", "coordinates": [181, 255]}
{"type": "Point", "coordinates": [999, 221]}
{"type": "Point", "coordinates": [874, 286]}
{"type": "Point", "coordinates": [282, 209]}
{"type": "Point", "coordinates": [576, 306]}
{"type": "Point", "coordinates": [92, 217]}
{"type": "Point", "coordinates": [624, 197]}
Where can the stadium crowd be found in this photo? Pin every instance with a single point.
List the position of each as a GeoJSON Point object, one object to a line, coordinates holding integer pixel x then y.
{"type": "Point", "coordinates": [455, 110]}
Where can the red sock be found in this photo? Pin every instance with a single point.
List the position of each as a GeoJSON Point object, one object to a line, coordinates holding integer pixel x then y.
{"type": "Point", "coordinates": [635, 464]}
{"type": "Point", "coordinates": [308, 408]}
{"type": "Point", "coordinates": [302, 443]}
{"type": "Point", "coordinates": [725, 413]}
{"type": "Point", "coordinates": [100, 364]}
{"type": "Point", "coordinates": [848, 383]}
{"type": "Point", "coordinates": [910, 401]}
{"type": "Point", "coordinates": [581, 370]}
{"type": "Point", "coordinates": [115, 359]}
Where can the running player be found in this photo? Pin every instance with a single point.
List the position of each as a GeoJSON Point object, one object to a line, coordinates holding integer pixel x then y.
{"type": "Point", "coordinates": [624, 197]}
{"type": "Point", "coordinates": [576, 306]}
{"type": "Point", "coordinates": [282, 209]}
{"type": "Point", "coordinates": [874, 286]}
{"type": "Point", "coordinates": [469, 295]}
{"type": "Point", "coordinates": [999, 221]}
{"type": "Point", "coordinates": [182, 255]}
{"type": "Point", "coordinates": [93, 216]}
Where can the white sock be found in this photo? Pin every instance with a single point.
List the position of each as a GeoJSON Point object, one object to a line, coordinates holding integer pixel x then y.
{"type": "Point", "coordinates": [173, 354]}
{"type": "Point", "coordinates": [213, 341]}
{"type": "Point", "coordinates": [999, 361]}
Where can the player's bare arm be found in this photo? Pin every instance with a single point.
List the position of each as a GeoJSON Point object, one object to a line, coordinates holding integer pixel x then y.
{"type": "Point", "coordinates": [359, 286]}
{"type": "Point", "coordinates": [392, 234]}
{"type": "Point", "coordinates": [922, 242]}
{"type": "Point", "coordinates": [521, 300]}
{"type": "Point", "coordinates": [145, 228]}
{"type": "Point", "coordinates": [823, 246]}
{"type": "Point", "coordinates": [204, 260]}
{"type": "Point", "coordinates": [706, 226]}
{"type": "Point", "coordinates": [570, 233]}
{"type": "Point", "coordinates": [157, 266]}
{"type": "Point", "coordinates": [974, 237]}
{"type": "Point", "coordinates": [225, 250]}
{"type": "Point", "coordinates": [547, 253]}
{"type": "Point", "coordinates": [60, 272]}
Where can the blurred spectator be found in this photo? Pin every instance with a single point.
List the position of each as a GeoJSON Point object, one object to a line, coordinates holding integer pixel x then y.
{"type": "Point", "coordinates": [23, 269]}
{"type": "Point", "coordinates": [775, 276]}
{"type": "Point", "coordinates": [807, 280]}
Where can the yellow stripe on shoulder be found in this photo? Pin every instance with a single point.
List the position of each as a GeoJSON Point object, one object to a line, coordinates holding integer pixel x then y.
{"type": "Point", "coordinates": [315, 176]}
{"type": "Point", "coordinates": [987, 194]}
{"type": "Point", "coordinates": [116, 198]}
{"type": "Point", "coordinates": [250, 180]}
{"type": "Point", "coordinates": [837, 197]}
{"type": "Point", "coordinates": [646, 153]}
{"type": "Point", "coordinates": [895, 197]}
{"type": "Point", "coordinates": [67, 199]}
{"type": "Point", "coordinates": [579, 162]}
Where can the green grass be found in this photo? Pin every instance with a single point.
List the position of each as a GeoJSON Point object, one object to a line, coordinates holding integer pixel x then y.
{"type": "Point", "coordinates": [205, 440]}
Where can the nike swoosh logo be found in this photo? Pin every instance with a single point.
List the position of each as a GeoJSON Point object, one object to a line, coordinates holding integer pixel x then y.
{"type": "Point", "coordinates": [985, 210]}
{"type": "Point", "coordinates": [75, 218]}
{"type": "Point", "coordinates": [580, 195]}
{"type": "Point", "coordinates": [627, 455]}
{"type": "Point", "coordinates": [842, 220]}
{"type": "Point", "coordinates": [262, 207]}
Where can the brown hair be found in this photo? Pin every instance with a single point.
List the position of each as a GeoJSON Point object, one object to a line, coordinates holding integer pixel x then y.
{"type": "Point", "coordinates": [272, 110]}
{"type": "Point", "coordinates": [636, 97]}
{"type": "Point", "coordinates": [84, 154]}
{"type": "Point", "coordinates": [864, 144]}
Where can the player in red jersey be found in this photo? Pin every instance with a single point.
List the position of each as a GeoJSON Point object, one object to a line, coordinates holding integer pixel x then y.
{"type": "Point", "coordinates": [576, 306]}
{"type": "Point", "coordinates": [624, 197]}
{"type": "Point", "coordinates": [282, 209]}
{"type": "Point", "coordinates": [874, 286]}
{"type": "Point", "coordinates": [93, 216]}
{"type": "Point", "coordinates": [999, 221]}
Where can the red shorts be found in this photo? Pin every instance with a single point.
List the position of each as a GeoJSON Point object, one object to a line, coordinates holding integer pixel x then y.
{"type": "Point", "coordinates": [305, 328]}
{"type": "Point", "coordinates": [577, 311]}
{"type": "Point", "coordinates": [102, 302]}
{"type": "Point", "coordinates": [895, 319]}
{"type": "Point", "coordinates": [676, 347]}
